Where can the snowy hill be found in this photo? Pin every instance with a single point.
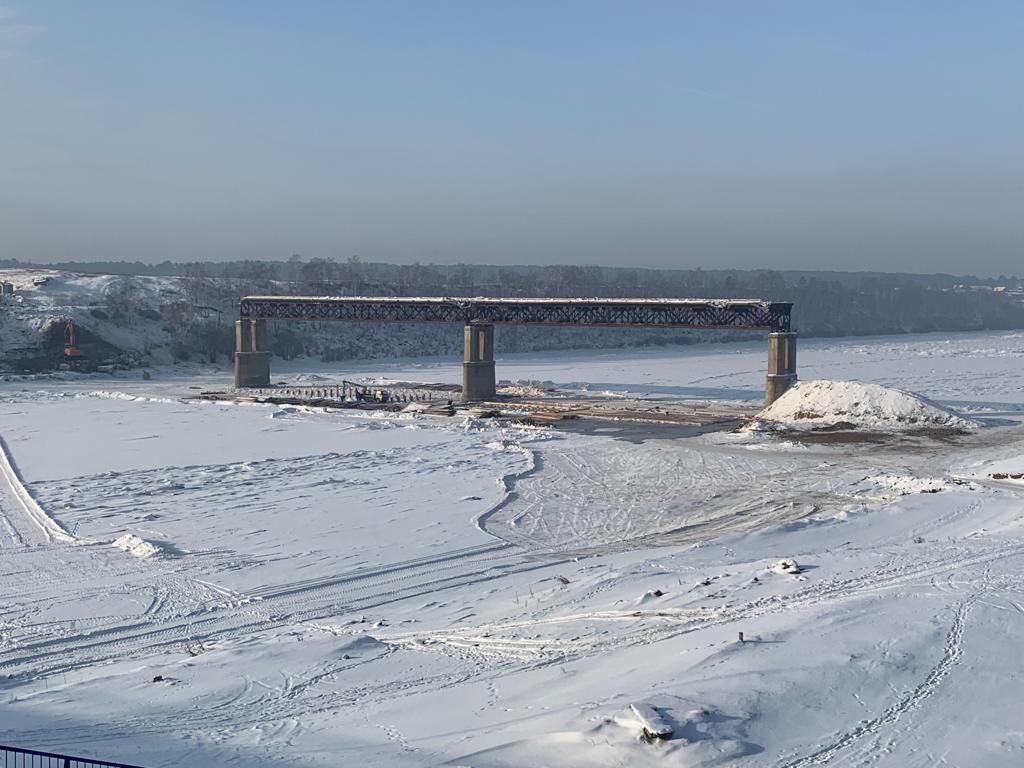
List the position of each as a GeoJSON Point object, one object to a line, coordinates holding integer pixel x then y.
{"type": "Point", "coordinates": [116, 317]}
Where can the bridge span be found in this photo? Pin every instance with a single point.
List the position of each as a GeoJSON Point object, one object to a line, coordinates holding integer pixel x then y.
{"type": "Point", "coordinates": [479, 316]}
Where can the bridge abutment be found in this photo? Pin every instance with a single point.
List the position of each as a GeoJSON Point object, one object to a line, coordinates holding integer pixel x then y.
{"type": "Point", "coordinates": [478, 381]}
{"type": "Point", "coordinates": [252, 361]}
{"type": "Point", "coordinates": [781, 366]}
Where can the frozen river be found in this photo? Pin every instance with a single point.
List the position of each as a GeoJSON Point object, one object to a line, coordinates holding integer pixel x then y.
{"type": "Point", "coordinates": [332, 588]}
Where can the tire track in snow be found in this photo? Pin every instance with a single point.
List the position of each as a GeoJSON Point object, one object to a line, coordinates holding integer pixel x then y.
{"type": "Point", "coordinates": [952, 653]}
{"type": "Point", "coordinates": [367, 591]}
{"type": "Point", "coordinates": [485, 641]}
{"type": "Point", "coordinates": [309, 601]}
{"type": "Point", "coordinates": [12, 533]}
{"type": "Point", "coordinates": [495, 658]}
{"type": "Point", "coordinates": [49, 527]}
{"type": "Point", "coordinates": [490, 660]}
{"type": "Point", "coordinates": [387, 572]}
{"type": "Point", "coordinates": [245, 710]}
{"type": "Point", "coordinates": [572, 500]}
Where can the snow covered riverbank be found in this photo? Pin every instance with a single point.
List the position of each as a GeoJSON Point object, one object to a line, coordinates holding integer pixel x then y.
{"type": "Point", "coordinates": [322, 593]}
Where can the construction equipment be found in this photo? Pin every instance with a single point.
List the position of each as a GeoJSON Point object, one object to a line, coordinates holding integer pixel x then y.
{"type": "Point", "coordinates": [70, 347]}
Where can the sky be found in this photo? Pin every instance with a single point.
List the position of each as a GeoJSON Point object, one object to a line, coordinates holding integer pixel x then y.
{"type": "Point", "coordinates": [789, 135]}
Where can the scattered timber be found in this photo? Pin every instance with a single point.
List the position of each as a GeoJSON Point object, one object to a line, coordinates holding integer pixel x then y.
{"type": "Point", "coordinates": [443, 400]}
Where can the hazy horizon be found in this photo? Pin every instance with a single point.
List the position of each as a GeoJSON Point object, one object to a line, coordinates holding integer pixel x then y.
{"type": "Point", "coordinates": [800, 136]}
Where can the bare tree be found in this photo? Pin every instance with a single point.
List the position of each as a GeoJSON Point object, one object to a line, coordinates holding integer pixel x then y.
{"type": "Point", "coordinates": [124, 300]}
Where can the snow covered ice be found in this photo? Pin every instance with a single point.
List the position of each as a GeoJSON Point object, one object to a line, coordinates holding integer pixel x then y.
{"type": "Point", "coordinates": [326, 589]}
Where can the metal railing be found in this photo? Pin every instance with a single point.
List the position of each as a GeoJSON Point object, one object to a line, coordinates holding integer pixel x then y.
{"type": "Point", "coordinates": [352, 391]}
{"type": "Point", "coordinates": [16, 757]}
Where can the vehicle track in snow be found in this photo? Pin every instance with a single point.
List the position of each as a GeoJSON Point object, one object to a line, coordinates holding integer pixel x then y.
{"type": "Point", "coordinates": [897, 731]}
{"type": "Point", "coordinates": [17, 529]}
{"type": "Point", "coordinates": [481, 655]}
{"type": "Point", "coordinates": [178, 598]}
{"type": "Point", "coordinates": [663, 624]}
{"type": "Point", "coordinates": [371, 588]}
{"type": "Point", "coordinates": [908, 701]}
{"type": "Point", "coordinates": [29, 524]}
{"type": "Point", "coordinates": [297, 603]}
{"type": "Point", "coordinates": [589, 499]}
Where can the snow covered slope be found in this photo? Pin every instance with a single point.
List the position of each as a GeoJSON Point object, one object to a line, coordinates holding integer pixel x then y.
{"type": "Point", "coordinates": [32, 320]}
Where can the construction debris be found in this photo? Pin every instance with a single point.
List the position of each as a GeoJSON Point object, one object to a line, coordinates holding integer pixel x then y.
{"type": "Point", "coordinates": [654, 724]}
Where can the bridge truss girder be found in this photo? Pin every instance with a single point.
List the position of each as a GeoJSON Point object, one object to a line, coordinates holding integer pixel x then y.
{"type": "Point", "coordinates": [635, 313]}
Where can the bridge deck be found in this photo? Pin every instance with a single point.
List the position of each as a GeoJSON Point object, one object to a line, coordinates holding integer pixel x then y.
{"type": "Point", "coordinates": [650, 313]}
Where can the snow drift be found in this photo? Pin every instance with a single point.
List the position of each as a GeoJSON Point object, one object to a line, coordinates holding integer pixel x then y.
{"type": "Point", "coordinates": [135, 546]}
{"type": "Point", "coordinates": [836, 405]}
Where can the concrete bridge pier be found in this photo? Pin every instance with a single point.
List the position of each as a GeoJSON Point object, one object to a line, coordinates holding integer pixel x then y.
{"type": "Point", "coordinates": [252, 361]}
{"type": "Point", "coordinates": [478, 363]}
{"type": "Point", "coordinates": [781, 366]}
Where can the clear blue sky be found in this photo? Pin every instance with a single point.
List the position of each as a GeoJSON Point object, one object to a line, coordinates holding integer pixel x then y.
{"type": "Point", "coordinates": [828, 135]}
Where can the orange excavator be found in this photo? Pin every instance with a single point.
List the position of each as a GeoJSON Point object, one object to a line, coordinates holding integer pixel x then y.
{"type": "Point", "coordinates": [70, 347]}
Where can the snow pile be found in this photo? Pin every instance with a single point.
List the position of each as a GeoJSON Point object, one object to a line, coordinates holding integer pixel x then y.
{"type": "Point", "coordinates": [509, 446]}
{"type": "Point", "coordinates": [786, 565]}
{"type": "Point", "coordinates": [904, 485]}
{"type": "Point", "coordinates": [135, 546]}
{"type": "Point", "coordinates": [649, 595]}
{"type": "Point", "coordinates": [700, 736]}
{"type": "Point", "coordinates": [525, 389]}
{"type": "Point", "coordinates": [836, 405]}
{"type": "Point", "coordinates": [128, 397]}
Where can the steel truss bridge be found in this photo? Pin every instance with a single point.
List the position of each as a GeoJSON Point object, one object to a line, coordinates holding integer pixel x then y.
{"type": "Point", "coordinates": [637, 313]}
